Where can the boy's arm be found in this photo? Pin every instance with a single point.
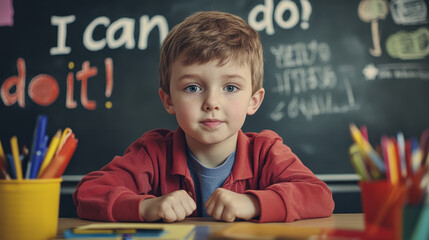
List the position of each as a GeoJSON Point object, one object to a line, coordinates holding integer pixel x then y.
{"type": "Point", "coordinates": [226, 205]}
{"type": "Point", "coordinates": [172, 207]}
{"type": "Point", "coordinates": [289, 190]}
{"type": "Point", "coordinates": [111, 194]}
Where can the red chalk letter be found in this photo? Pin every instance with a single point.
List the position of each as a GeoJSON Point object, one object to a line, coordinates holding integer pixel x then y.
{"type": "Point", "coordinates": [43, 89]}
{"type": "Point", "coordinates": [83, 76]}
{"type": "Point", "coordinates": [17, 81]}
{"type": "Point", "coordinates": [109, 76]}
{"type": "Point", "coordinates": [70, 103]}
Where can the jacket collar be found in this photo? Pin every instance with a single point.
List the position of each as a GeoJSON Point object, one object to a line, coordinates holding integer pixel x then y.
{"type": "Point", "coordinates": [179, 164]}
{"type": "Point", "coordinates": [242, 168]}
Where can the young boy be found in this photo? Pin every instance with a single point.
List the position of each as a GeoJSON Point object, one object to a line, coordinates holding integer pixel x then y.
{"type": "Point", "coordinates": [211, 73]}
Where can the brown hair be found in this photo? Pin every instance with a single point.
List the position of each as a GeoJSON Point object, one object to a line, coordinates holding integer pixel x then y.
{"type": "Point", "coordinates": [206, 36]}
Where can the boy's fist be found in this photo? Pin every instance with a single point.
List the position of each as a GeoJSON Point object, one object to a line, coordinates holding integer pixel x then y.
{"type": "Point", "coordinates": [171, 207]}
{"type": "Point", "coordinates": [227, 205]}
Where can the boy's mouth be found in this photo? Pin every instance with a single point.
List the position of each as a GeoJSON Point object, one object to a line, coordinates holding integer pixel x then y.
{"type": "Point", "coordinates": [211, 122]}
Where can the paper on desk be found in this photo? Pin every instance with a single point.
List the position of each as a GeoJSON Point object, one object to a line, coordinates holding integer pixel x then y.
{"type": "Point", "coordinates": [171, 231]}
{"type": "Point", "coordinates": [247, 230]}
{"type": "Point", "coordinates": [250, 231]}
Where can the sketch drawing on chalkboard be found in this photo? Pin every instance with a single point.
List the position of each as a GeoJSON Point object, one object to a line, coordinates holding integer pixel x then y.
{"type": "Point", "coordinates": [408, 45]}
{"type": "Point", "coordinates": [408, 12]}
{"type": "Point", "coordinates": [372, 11]}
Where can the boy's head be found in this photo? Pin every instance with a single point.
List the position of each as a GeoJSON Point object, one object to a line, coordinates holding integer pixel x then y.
{"type": "Point", "coordinates": [207, 36]}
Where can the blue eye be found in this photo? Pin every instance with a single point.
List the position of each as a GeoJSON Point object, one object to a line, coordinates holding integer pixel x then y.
{"type": "Point", "coordinates": [192, 88]}
{"type": "Point", "coordinates": [230, 88]}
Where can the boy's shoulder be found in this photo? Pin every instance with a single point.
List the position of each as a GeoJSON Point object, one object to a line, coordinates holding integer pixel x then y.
{"type": "Point", "coordinates": [266, 136]}
{"type": "Point", "coordinates": [153, 141]}
{"type": "Point", "coordinates": [156, 135]}
{"type": "Point", "coordinates": [265, 143]}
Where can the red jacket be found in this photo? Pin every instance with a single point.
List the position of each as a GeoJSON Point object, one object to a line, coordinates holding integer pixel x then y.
{"type": "Point", "coordinates": [155, 165]}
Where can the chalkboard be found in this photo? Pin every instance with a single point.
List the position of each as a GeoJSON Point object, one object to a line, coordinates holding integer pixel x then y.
{"type": "Point", "coordinates": [93, 66]}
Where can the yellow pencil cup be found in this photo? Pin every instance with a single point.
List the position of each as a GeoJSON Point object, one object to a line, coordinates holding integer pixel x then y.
{"type": "Point", "coordinates": [29, 209]}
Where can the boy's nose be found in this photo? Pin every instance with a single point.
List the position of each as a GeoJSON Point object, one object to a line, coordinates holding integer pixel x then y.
{"type": "Point", "coordinates": [211, 102]}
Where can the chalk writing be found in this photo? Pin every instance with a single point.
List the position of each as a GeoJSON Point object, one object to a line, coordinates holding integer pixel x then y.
{"type": "Point", "coordinates": [318, 103]}
{"type": "Point", "coordinates": [408, 45]}
{"type": "Point", "coordinates": [61, 22]}
{"type": "Point", "coordinates": [43, 89]}
{"type": "Point", "coordinates": [108, 62]}
{"type": "Point", "coordinates": [314, 105]}
{"type": "Point", "coordinates": [17, 82]}
{"type": "Point", "coordinates": [300, 54]}
{"type": "Point", "coordinates": [396, 71]}
{"type": "Point", "coordinates": [83, 76]}
{"type": "Point", "coordinates": [283, 8]}
{"type": "Point", "coordinates": [125, 27]}
{"type": "Point", "coordinates": [308, 84]}
{"type": "Point", "coordinates": [372, 11]}
{"type": "Point", "coordinates": [408, 12]}
{"type": "Point", "coordinates": [300, 80]}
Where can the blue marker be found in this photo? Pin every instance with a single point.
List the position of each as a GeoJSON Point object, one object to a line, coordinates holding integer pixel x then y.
{"type": "Point", "coordinates": [38, 149]}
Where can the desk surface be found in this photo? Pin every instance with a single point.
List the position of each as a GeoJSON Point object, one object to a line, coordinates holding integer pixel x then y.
{"type": "Point", "coordinates": [339, 221]}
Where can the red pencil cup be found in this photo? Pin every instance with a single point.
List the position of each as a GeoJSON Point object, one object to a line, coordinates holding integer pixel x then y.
{"type": "Point", "coordinates": [382, 204]}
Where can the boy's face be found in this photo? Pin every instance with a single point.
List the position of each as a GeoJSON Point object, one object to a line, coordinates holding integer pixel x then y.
{"type": "Point", "coordinates": [211, 101]}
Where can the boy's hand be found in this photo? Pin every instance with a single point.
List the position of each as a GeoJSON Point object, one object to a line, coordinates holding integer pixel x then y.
{"type": "Point", "coordinates": [171, 207]}
{"type": "Point", "coordinates": [227, 205]}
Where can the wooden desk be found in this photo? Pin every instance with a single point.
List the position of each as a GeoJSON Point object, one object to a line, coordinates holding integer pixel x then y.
{"type": "Point", "coordinates": [341, 221]}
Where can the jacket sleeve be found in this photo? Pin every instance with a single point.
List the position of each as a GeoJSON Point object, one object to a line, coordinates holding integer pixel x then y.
{"type": "Point", "coordinates": [114, 193]}
{"type": "Point", "coordinates": [289, 191]}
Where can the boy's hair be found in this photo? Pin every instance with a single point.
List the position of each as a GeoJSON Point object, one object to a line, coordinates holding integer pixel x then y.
{"type": "Point", "coordinates": [206, 36]}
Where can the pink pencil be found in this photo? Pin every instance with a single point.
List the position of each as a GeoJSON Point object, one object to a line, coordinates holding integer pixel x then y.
{"type": "Point", "coordinates": [364, 131]}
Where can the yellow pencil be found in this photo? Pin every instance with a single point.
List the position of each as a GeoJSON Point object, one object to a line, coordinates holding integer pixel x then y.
{"type": "Point", "coordinates": [392, 159]}
{"type": "Point", "coordinates": [63, 138]}
{"type": "Point", "coordinates": [52, 149]}
{"type": "Point", "coordinates": [15, 154]}
{"type": "Point", "coordinates": [358, 163]}
{"type": "Point", "coordinates": [2, 156]}
{"type": "Point", "coordinates": [366, 148]}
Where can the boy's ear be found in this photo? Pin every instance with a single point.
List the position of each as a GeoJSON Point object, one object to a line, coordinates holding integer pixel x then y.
{"type": "Point", "coordinates": [166, 101]}
{"type": "Point", "coordinates": [255, 101]}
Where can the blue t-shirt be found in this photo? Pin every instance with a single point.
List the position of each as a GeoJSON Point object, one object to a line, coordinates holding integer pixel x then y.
{"type": "Point", "coordinates": [206, 180]}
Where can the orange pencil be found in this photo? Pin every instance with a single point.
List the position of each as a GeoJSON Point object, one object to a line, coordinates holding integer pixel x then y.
{"type": "Point", "coordinates": [57, 166]}
{"type": "Point", "coordinates": [398, 161]}
{"type": "Point", "coordinates": [50, 153]}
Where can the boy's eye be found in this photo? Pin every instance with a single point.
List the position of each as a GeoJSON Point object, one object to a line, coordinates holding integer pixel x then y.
{"type": "Point", "coordinates": [230, 88]}
{"type": "Point", "coordinates": [192, 88]}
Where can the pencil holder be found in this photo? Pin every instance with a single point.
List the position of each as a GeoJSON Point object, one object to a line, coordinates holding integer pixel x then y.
{"type": "Point", "coordinates": [29, 208]}
{"type": "Point", "coordinates": [382, 204]}
{"type": "Point", "coordinates": [415, 222]}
